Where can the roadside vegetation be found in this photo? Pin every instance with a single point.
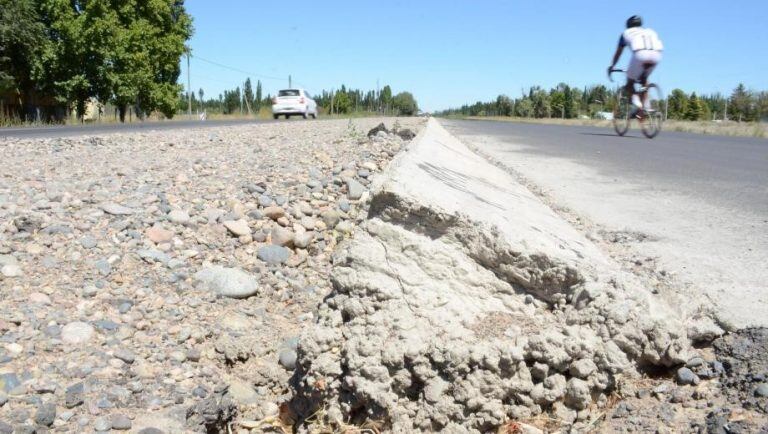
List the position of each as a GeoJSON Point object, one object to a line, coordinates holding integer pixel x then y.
{"type": "Point", "coordinates": [56, 56]}
{"type": "Point", "coordinates": [251, 101]}
{"type": "Point", "coordinates": [743, 113]}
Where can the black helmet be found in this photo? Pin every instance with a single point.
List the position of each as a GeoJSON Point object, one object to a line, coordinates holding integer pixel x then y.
{"type": "Point", "coordinates": [634, 21]}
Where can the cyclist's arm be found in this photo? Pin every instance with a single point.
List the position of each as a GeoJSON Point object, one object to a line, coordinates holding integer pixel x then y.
{"type": "Point", "coordinates": [619, 50]}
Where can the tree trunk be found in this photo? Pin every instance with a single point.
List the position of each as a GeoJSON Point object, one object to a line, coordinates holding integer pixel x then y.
{"type": "Point", "coordinates": [122, 108]}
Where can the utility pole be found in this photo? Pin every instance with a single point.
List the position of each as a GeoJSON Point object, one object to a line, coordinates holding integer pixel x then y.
{"type": "Point", "coordinates": [242, 96]}
{"type": "Point", "coordinates": [189, 90]}
{"type": "Point", "coordinates": [725, 113]}
{"type": "Point", "coordinates": [378, 96]}
{"type": "Point", "coordinates": [666, 109]}
{"type": "Point", "coordinates": [290, 82]}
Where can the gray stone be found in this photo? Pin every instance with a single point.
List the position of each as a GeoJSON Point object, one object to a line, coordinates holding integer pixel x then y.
{"type": "Point", "coordinates": [46, 414]}
{"type": "Point", "coordinates": [76, 333]}
{"type": "Point", "coordinates": [3, 398]}
{"type": "Point", "coordinates": [178, 217]}
{"type": "Point", "coordinates": [228, 282]}
{"type": "Point", "coordinates": [151, 430]}
{"type": "Point", "coordinates": [88, 242]}
{"type": "Point", "coordinates": [280, 200]}
{"type": "Point", "coordinates": [355, 190]}
{"type": "Point", "coordinates": [686, 376]}
{"type": "Point", "coordinates": [761, 391]}
{"type": "Point", "coordinates": [242, 392]}
{"type": "Point", "coordinates": [345, 227]}
{"type": "Point", "coordinates": [113, 208]}
{"type": "Point", "coordinates": [153, 255]}
{"type": "Point", "coordinates": [11, 270]}
{"type": "Point", "coordinates": [121, 422]}
{"type": "Point", "coordinates": [344, 205]}
{"type": "Point", "coordinates": [303, 241]}
{"type": "Point", "coordinates": [5, 428]}
{"type": "Point", "coordinates": [102, 424]}
{"type": "Point", "coordinates": [265, 200]}
{"type": "Point", "coordinates": [9, 381]}
{"type": "Point", "coordinates": [694, 362]}
{"type": "Point", "coordinates": [282, 237]}
{"type": "Point", "coordinates": [238, 227]}
{"type": "Point", "coordinates": [74, 395]}
{"type": "Point", "coordinates": [308, 223]}
{"type": "Point", "coordinates": [103, 267]}
{"type": "Point", "coordinates": [273, 255]}
{"type": "Point", "coordinates": [287, 359]}
{"type": "Point", "coordinates": [125, 355]}
{"type": "Point", "coordinates": [331, 218]}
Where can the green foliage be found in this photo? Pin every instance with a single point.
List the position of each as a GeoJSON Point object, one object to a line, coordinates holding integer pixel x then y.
{"type": "Point", "coordinates": [121, 51]}
{"type": "Point", "coordinates": [695, 111]}
{"type": "Point", "coordinates": [405, 104]}
{"type": "Point", "coordinates": [678, 105]}
{"type": "Point", "coordinates": [341, 102]}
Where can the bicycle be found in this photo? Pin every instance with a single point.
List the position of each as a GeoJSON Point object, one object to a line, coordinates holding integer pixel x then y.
{"type": "Point", "coordinates": [650, 117]}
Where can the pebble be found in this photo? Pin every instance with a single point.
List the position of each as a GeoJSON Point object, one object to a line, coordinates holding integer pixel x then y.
{"type": "Point", "coordinates": [282, 237]}
{"type": "Point", "coordinates": [46, 414]}
{"type": "Point", "coordinates": [179, 217]}
{"type": "Point", "coordinates": [158, 235]}
{"type": "Point", "coordinates": [287, 358]}
{"type": "Point", "coordinates": [88, 242]}
{"type": "Point", "coordinates": [355, 190]}
{"type": "Point", "coordinates": [238, 227]}
{"type": "Point", "coordinates": [117, 209]}
{"type": "Point", "coordinates": [761, 391]}
{"type": "Point", "coordinates": [685, 376]}
{"type": "Point", "coordinates": [121, 422]}
{"type": "Point", "coordinates": [11, 270]}
{"type": "Point", "coordinates": [228, 282]}
{"type": "Point", "coordinates": [273, 255]}
{"type": "Point", "coordinates": [331, 218]}
{"type": "Point", "coordinates": [76, 333]}
{"type": "Point", "coordinates": [274, 212]}
{"type": "Point", "coordinates": [102, 424]}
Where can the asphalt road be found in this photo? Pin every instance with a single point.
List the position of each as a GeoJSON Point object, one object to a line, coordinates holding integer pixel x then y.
{"type": "Point", "coordinates": [701, 202]}
{"type": "Point", "coordinates": [87, 129]}
{"type": "Point", "coordinates": [728, 171]}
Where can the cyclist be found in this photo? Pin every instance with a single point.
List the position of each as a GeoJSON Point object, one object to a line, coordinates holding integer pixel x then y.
{"type": "Point", "coordinates": [646, 54]}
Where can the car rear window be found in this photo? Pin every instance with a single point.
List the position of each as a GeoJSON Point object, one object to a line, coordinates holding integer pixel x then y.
{"type": "Point", "coordinates": [289, 92]}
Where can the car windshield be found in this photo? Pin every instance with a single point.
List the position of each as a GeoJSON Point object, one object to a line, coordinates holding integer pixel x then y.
{"type": "Point", "coordinates": [289, 92]}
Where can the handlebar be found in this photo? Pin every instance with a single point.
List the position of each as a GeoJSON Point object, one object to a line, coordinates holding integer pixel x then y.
{"type": "Point", "coordinates": [611, 71]}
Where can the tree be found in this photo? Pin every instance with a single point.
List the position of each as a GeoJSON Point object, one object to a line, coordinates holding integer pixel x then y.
{"type": "Point", "coordinates": [385, 97]}
{"type": "Point", "coordinates": [504, 105]}
{"type": "Point", "coordinates": [405, 104]}
{"type": "Point", "coordinates": [524, 108]}
{"type": "Point", "coordinates": [695, 111]}
{"type": "Point", "coordinates": [22, 39]}
{"type": "Point", "coordinates": [341, 101]}
{"type": "Point", "coordinates": [259, 96]}
{"type": "Point", "coordinates": [742, 105]}
{"type": "Point", "coordinates": [678, 105]}
{"type": "Point", "coordinates": [248, 94]}
{"type": "Point", "coordinates": [201, 92]}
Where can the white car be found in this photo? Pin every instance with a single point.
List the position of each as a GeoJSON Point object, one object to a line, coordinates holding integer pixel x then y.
{"type": "Point", "coordinates": [290, 102]}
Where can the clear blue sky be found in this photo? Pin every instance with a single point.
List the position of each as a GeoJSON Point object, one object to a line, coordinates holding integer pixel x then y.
{"type": "Point", "coordinates": [451, 52]}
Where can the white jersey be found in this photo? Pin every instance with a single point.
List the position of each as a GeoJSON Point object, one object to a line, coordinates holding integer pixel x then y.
{"type": "Point", "coordinates": [640, 38]}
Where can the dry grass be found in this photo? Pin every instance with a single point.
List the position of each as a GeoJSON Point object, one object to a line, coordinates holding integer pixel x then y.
{"type": "Point", "coordinates": [732, 129]}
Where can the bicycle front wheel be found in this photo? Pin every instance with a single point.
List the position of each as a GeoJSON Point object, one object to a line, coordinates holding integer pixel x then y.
{"type": "Point", "coordinates": [654, 112]}
{"type": "Point", "coordinates": [621, 110]}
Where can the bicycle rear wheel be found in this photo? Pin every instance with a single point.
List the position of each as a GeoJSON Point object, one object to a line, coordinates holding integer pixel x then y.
{"type": "Point", "coordinates": [621, 110]}
{"type": "Point", "coordinates": [654, 112]}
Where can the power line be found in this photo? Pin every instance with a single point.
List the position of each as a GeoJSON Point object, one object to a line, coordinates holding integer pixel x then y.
{"type": "Point", "coordinates": [231, 68]}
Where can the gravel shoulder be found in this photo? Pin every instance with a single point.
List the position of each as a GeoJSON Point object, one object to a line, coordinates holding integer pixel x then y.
{"type": "Point", "coordinates": [160, 280]}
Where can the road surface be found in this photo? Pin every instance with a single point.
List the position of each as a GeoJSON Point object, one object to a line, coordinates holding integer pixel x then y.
{"type": "Point", "coordinates": [701, 201]}
{"type": "Point", "coordinates": [76, 130]}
